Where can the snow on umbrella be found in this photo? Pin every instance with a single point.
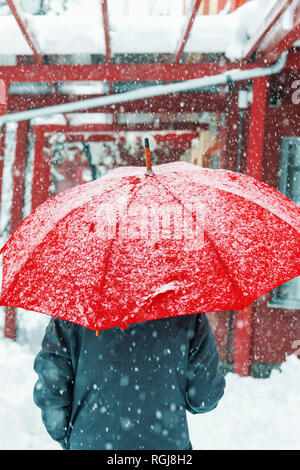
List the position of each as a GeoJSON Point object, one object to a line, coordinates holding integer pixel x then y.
{"type": "Point", "coordinates": [134, 246]}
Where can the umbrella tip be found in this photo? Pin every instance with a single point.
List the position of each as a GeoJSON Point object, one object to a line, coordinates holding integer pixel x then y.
{"type": "Point", "coordinates": [148, 157]}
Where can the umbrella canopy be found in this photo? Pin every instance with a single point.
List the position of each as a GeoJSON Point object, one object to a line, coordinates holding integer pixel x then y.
{"type": "Point", "coordinates": [131, 246]}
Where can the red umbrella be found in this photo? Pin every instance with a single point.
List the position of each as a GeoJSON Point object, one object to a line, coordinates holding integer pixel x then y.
{"type": "Point", "coordinates": [134, 246]}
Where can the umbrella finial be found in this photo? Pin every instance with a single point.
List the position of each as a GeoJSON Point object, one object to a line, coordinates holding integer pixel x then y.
{"type": "Point", "coordinates": [148, 157]}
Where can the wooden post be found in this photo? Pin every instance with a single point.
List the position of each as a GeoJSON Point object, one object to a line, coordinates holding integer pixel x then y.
{"type": "Point", "coordinates": [41, 171]}
{"type": "Point", "coordinates": [3, 104]}
{"type": "Point", "coordinates": [9, 330]}
{"type": "Point", "coordinates": [190, 18]}
{"type": "Point", "coordinates": [19, 176]}
{"type": "Point", "coordinates": [257, 124]}
{"type": "Point", "coordinates": [242, 364]}
{"type": "Point", "coordinates": [16, 214]}
{"type": "Point", "coordinates": [229, 148]}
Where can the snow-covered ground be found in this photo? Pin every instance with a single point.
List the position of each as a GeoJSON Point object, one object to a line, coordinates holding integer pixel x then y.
{"type": "Point", "coordinates": [253, 414]}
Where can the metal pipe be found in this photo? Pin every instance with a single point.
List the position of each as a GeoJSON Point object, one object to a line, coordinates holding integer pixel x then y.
{"type": "Point", "coordinates": [148, 92]}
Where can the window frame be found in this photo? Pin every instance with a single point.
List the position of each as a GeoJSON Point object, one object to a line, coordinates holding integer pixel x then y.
{"type": "Point", "coordinates": [275, 301]}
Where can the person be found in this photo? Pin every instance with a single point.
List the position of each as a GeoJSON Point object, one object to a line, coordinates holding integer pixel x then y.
{"type": "Point", "coordinates": [127, 389]}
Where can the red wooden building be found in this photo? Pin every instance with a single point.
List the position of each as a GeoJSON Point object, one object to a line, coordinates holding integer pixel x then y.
{"type": "Point", "coordinates": [248, 123]}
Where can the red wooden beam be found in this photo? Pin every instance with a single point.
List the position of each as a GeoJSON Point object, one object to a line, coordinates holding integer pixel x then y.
{"type": "Point", "coordinates": [108, 53]}
{"type": "Point", "coordinates": [70, 137]}
{"type": "Point", "coordinates": [206, 7]}
{"type": "Point", "coordinates": [257, 124]}
{"type": "Point", "coordinates": [293, 59]}
{"type": "Point", "coordinates": [3, 108]}
{"type": "Point", "coordinates": [281, 39]}
{"type": "Point", "coordinates": [175, 139]}
{"type": "Point", "coordinates": [192, 126]}
{"type": "Point", "coordinates": [230, 133]}
{"type": "Point", "coordinates": [18, 102]}
{"type": "Point", "coordinates": [119, 72]}
{"type": "Point", "coordinates": [18, 176]}
{"type": "Point", "coordinates": [114, 128]}
{"type": "Point", "coordinates": [16, 213]}
{"type": "Point", "coordinates": [3, 97]}
{"type": "Point", "coordinates": [271, 31]}
{"type": "Point", "coordinates": [41, 170]}
{"type": "Point", "coordinates": [167, 72]}
{"type": "Point", "coordinates": [235, 4]}
{"type": "Point", "coordinates": [221, 5]}
{"type": "Point", "coordinates": [190, 18]}
{"type": "Point", "coordinates": [242, 364]}
{"type": "Point", "coordinates": [265, 26]}
{"type": "Point", "coordinates": [2, 149]}
{"type": "Point", "coordinates": [22, 23]}
{"type": "Point", "coordinates": [10, 322]}
{"type": "Point", "coordinates": [180, 102]}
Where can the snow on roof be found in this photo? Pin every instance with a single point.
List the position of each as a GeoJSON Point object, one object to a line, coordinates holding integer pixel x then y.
{"type": "Point", "coordinates": [81, 32]}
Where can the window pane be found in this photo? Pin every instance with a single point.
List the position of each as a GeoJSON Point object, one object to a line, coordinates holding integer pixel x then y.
{"type": "Point", "coordinates": [288, 294]}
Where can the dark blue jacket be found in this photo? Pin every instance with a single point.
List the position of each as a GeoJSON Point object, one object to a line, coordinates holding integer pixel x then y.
{"type": "Point", "coordinates": [127, 389]}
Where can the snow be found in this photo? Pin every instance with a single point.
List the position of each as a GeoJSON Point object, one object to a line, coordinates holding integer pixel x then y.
{"type": "Point", "coordinates": [253, 414]}
{"type": "Point", "coordinates": [134, 28]}
{"type": "Point", "coordinates": [165, 288]}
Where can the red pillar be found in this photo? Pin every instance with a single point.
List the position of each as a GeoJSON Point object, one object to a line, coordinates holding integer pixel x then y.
{"type": "Point", "coordinates": [41, 171]}
{"type": "Point", "coordinates": [3, 96]}
{"type": "Point", "coordinates": [40, 192]}
{"type": "Point", "coordinates": [235, 4]}
{"type": "Point", "coordinates": [221, 5]}
{"type": "Point", "coordinates": [3, 103]}
{"type": "Point", "coordinates": [189, 21]}
{"type": "Point", "coordinates": [257, 125]}
{"type": "Point", "coordinates": [230, 134]}
{"type": "Point", "coordinates": [18, 182]}
{"type": "Point", "coordinates": [2, 149]}
{"type": "Point", "coordinates": [206, 7]}
{"type": "Point", "coordinates": [242, 364]}
{"type": "Point", "coordinates": [19, 176]}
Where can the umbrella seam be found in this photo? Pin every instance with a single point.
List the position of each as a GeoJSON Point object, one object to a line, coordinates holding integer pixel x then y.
{"type": "Point", "coordinates": [221, 261]}
{"type": "Point", "coordinates": [15, 277]}
{"type": "Point", "coordinates": [109, 251]}
{"type": "Point", "coordinates": [261, 204]}
{"type": "Point", "coordinates": [9, 241]}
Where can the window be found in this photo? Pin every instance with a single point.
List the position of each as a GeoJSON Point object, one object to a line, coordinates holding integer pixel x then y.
{"type": "Point", "coordinates": [288, 294]}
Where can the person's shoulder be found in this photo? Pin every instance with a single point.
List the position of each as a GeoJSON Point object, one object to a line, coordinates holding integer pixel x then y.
{"type": "Point", "coordinates": [187, 322]}
{"type": "Point", "coordinates": [194, 318]}
{"type": "Point", "coordinates": [66, 325]}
